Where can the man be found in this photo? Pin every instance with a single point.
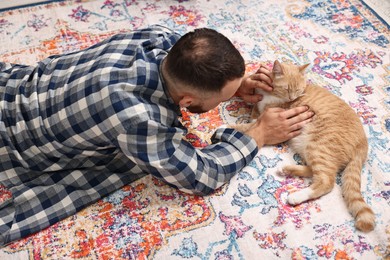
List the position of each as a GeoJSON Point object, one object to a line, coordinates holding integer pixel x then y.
{"type": "Point", "coordinates": [78, 126]}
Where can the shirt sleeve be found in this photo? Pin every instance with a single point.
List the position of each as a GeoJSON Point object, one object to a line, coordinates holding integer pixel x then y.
{"type": "Point", "coordinates": [163, 152]}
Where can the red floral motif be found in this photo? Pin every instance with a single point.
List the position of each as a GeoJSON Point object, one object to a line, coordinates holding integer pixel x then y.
{"type": "Point", "coordinates": [83, 246]}
{"type": "Point", "coordinates": [299, 214]}
{"type": "Point", "coordinates": [5, 195]}
{"type": "Point", "coordinates": [196, 141]}
{"type": "Point", "coordinates": [234, 224]}
{"type": "Point", "coordinates": [364, 111]}
{"type": "Point", "coordinates": [80, 14]}
{"type": "Point", "coordinates": [364, 90]}
{"type": "Point", "coordinates": [4, 24]}
{"type": "Point", "coordinates": [297, 31]}
{"type": "Point", "coordinates": [183, 16]}
{"type": "Point", "coordinates": [201, 126]}
{"type": "Point", "coordinates": [341, 255]}
{"type": "Point", "coordinates": [326, 250]}
{"type": "Point", "coordinates": [340, 66]}
{"type": "Point", "coordinates": [134, 230]}
{"type": "Point", "coordinates": [110, 4]}
{"type": "Point", "coordinates": [66, 38]}
{"type": "Point", "coordinates": [271, 240]}
{"type": "Point", "coordinates": [348, 18]}
{"type": "Point", "coordinates": [236, 108]}
{"type": "Point", "coordinates": [37, 22]}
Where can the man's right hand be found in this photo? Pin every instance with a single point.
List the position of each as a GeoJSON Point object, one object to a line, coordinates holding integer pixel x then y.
{"type": "Point", "coordinates": [277, 125]}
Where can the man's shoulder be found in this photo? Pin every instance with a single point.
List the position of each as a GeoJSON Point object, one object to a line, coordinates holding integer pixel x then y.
{"type": "Point", "coordinates": [153, 31]}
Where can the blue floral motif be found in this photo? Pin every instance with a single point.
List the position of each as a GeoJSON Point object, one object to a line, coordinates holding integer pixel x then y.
{"type": "Point", "coordinates": [304, 253]}
{"type": "Point", "coordinates": [378, 145]}
{"type": "Point", "coordinates": [244, 190]}
{"type": "Point", "coordinates": [117, 197]}
{"type": "Point", "coordinates": [246, 197]}
{"type": "Point", "coordinates": [223, 255]}
{"type": "Point", "coordinates": [187, 249]}
{"type": "Point", "coordinates": [266, 192]}
{"type": "Point", "coordinates": [342, 19]}
{"type": "Point", "coordinates": [226, 20]}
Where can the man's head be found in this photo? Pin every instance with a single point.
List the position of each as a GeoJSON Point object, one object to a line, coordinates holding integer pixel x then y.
{"type": "Point", "coordinates": [203, 69]}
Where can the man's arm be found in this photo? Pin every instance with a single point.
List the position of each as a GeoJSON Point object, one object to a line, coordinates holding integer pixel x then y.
{"type": "Point", "coordinates": [161, 151]}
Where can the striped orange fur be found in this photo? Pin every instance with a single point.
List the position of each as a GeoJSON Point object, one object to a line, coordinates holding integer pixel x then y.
{"type": "Point", "coordinates": [333, 142]}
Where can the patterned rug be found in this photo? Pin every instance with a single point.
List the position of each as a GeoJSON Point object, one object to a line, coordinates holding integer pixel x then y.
{"type": "Point", "coordinates": [347, 45]}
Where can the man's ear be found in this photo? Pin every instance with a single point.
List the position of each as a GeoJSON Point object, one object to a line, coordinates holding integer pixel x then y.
{"type": "Point", "coordinates": [186, 101]}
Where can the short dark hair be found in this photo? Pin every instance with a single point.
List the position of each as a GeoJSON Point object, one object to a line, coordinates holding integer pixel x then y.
{"type": "Point", "coordinates": [205, 59]}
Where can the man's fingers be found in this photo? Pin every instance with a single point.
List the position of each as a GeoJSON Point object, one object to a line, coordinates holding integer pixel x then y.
{"type": "Point", "coordinates": [264, 86]}
{"type": "Point", "coordinates": [301, 118]}
{"type": "Point", "coordinates": [294, 134]}
{"type": "Point", "coordinates": [298, 126]}
{"type": "Point", "coordinates": [261, 84]}
{"type": "Point", "coordinates": [265, 70]}
{"type": "Point", "coordinates": [293, 112]}
{"type": "Point", "coordinates": [262, 77]}
{"type": "Point", "coordinates": [251, 98]}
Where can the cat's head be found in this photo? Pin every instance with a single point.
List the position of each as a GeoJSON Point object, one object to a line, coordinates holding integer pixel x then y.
{"type": "Point", "coordinates": [289, 80]}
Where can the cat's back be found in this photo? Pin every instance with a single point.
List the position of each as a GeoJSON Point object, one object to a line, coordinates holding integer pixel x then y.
{"type": "Point", "coordinates": [327, 106]}
{"type": "Point", "coordinates": [335, 125]}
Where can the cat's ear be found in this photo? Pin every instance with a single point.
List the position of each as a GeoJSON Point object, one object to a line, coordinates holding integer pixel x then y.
{"type": "Point", "coordinates": [277, 69]}
{"type": "Point", "coordinates": [303, 67]}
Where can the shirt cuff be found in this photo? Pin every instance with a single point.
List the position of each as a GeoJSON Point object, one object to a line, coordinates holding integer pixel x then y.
{"type": "Point", "coordinates": [244, 143]}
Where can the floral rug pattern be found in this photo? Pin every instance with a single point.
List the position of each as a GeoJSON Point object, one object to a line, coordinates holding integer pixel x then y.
{"type": "Point", "coordinates": [347, 46]}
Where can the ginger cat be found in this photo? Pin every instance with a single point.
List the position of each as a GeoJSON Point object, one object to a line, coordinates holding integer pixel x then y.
{"type": "Point", "coordinates": [333, 142]}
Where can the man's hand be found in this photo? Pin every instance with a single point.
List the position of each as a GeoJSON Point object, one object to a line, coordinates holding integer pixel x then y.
{"type": "Point", "coordinates": [277, 125]}
{"type": "Point", "coordinates": [262, 79]}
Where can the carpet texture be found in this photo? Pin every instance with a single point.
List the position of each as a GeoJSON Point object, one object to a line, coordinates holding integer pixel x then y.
{"type": "Point", "coordinates": [347, 45]}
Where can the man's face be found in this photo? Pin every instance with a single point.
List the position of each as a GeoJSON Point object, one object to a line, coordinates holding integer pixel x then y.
{"type": "Point", "coordinates": [211, 100]}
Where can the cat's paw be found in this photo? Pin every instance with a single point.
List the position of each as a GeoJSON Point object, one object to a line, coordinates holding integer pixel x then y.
{"type": "Point", "coordinates": [282, 172]}
{"type": "Point", "coordinates": [299, 196]}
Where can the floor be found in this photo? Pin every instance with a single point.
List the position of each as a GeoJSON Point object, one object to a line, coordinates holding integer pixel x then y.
{"type": "Point", "coordinates": [17, 3]}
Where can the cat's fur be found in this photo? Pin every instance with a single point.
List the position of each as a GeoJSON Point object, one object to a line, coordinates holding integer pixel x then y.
{"type": "Point", "coordinates": [334, 141]}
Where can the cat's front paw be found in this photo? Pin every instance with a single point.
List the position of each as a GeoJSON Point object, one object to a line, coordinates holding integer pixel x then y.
{"type": "Point", "coordinates": [282, 172]}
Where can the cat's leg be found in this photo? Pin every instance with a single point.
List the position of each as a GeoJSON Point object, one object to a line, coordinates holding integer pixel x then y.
{"type": "Point", "coordinates": [322, 184]}
{"type": "Point", "coordinates": [296, 170]}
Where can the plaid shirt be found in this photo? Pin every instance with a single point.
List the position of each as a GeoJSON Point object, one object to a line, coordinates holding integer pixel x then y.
{"type": "Point", "coordinates": [78, 126]}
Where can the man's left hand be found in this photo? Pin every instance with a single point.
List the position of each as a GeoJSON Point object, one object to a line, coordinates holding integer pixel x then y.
{"type": "Point", "coordinates": [261, 79]}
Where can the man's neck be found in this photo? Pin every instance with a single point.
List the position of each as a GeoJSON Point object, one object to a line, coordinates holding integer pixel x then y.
{"type": "Point", "coordinates": [170, 84]}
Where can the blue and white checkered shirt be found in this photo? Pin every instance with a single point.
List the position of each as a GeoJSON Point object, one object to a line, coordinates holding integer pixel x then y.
{"type": "Point", "coordinates": [78, 126]}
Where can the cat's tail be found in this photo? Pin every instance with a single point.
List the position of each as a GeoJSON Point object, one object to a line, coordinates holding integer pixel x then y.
{"type": "Point", "coordinates": [363, 214]}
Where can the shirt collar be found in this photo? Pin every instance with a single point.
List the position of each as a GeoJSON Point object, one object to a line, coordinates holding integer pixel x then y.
{"type": "Point", "coordinates": [170, 101]}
